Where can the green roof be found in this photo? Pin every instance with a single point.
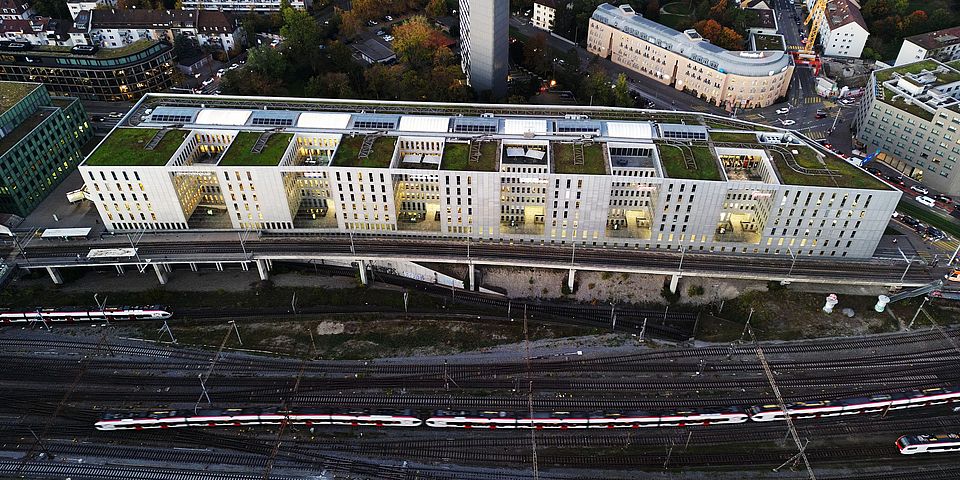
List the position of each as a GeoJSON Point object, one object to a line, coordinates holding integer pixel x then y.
{"type": "Point", "coordinates": [768, 42]}
{"type": "Point", "coordinates": [239, 153]}
{"type": "Point", "coordinates": [845, 174]}
{"type": "Point", "coordinates": [674, 165]}
{"type": "Point", "coordinates": [456, 157]}
{"type": "Point", "coordinates": [125, 147]}
{"type": "Point", "coordinates": [901, 104]}
{"type": "Point", "coordinates": [102, 53]}
{"type": "Point", "coordinates": [349, 150]}
{"type": "Point", "coordinates": [916, 67]}
{"type": "Point", "coordinates": [593, 161]}
{"type": "Point", "coordinates": [733, 137]}
{"type": "Point", "coordinates": [12, 92]}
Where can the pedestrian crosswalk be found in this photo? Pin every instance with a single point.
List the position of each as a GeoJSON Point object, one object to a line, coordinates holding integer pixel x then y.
{"type": "Point", "coordinates": [817, 134]}
{"type": "Point", "coordinates": [793, 48]}
{"type": "Point", "coordinates": [812, 100]}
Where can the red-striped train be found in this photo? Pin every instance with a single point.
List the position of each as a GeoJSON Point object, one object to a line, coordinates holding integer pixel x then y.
{"type": "Point", "coordinates": [70, 315]}
{"type": "Point", "coordinates": [539, 420]}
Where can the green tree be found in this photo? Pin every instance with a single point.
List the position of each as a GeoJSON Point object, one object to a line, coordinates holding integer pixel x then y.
{"type": "Point", "coordinates": [414, 40]}
{"type": "Point", "coordinates": [437, 8]}
{"type": "Point", "coordinates": [267, 61]}
{"type": "Point", "coordinates": [596, 87]}
{"type": "Point", "coordinates": [621, 92]}
{"type": "Point", "coordinates": [301, 36]}
{"type": "Point", "coordinates": [535, 54]}
{"type": "Point", "coordinates": [331, 85]}
{"type": "Point", "coordinates": [185, 47]}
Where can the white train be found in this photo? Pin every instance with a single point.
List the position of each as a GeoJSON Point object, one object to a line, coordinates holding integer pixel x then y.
{"type": "Point", "coordinates": [944, 442]}
{"type": "Point", "coordinates": [69, 315]}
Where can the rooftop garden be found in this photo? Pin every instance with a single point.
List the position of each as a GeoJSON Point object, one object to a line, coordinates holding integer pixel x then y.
{"type": "Point", "coordinates": [887, 74]}
{"type": "Point", "coordinates": [456, 156]}
{"type": "Point", "coordinates": [730, 137]}
{"type": "Point", "coordinates": [349, 150]}
{"type": "Point", "coordinates": [126, 147]}
{"type": "Point", "coordinates": [674, 161]}
{"type": "Point", "coordinates": [593, 161]}
{"type": "Point", "coordinates": [58, 50]}
{"type": "Point", "coordinates": [900, 103]}
{"type": "Point", "coordinates": [13, 92]}
{"type": "Point", "coordinates": [768, 42]}
{"type": "Point", "coordinates": [845, 174]}
{"type": "Point", "coordinates": [240, 154]}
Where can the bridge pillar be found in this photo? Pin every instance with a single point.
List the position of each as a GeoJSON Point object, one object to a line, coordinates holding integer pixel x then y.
{"type": "Point", "coordinates": [264, 268]}
{"type": "Point", "coordinates": [570, 279]}
{"type": "Point", "coordinates": [473, 276]}
{"type": "Point", "coordinates": [219, 266]}
{"type": "Point", "coordinates": [245, 266]}
{"type": "Point", "coordinates": [161, 273]}
{"type": "Point", "coordinates": [674, 282]}
{"type": "Point", "coordinates": [119, 269]}
{"type": "Point", "coordinates": [55, 275]}
{"type": "Point", "coordinates": [882, 302]}
{"type": "Point", "coordinates": [363, 272]}
{"type": "Point", "coordinates": [193, 267]}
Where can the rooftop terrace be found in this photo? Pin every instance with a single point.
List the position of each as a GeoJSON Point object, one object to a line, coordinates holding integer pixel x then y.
{"type": "Point", "coordinates": [917, 67]}
{"type": "Point", "coordinates": [832, 172]}
{"type": "Point", "coordinates": [348, 152]}
{"type": "Point", "coordinates": [103, 53]}
{"type": "Point", "coordinates": [456, 156]}
{"type": "Point", "coordinates": [240, 152]}
{"type": "Point", "coordinates": [890, 98]}
{"type": "Point", "coordinates": [564, 155]}
{"type": "Point", "coordinates": [125, 147]}
{"type": "Point", "coordinates": [768, 42]}
{"type": "Point", "coordinates": [690, 162]}
{"type": "Point", "coordinates": [13, 92]}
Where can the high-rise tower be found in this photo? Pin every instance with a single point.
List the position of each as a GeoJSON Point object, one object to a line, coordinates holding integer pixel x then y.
{"type": "Point", "coordinates": [484, 44]}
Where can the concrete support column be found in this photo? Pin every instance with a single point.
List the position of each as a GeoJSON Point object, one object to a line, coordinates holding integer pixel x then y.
{"type": "Point", "coordinates": [363, 272]}
{"type": "Point", "coordinates": [161, 273]}
{"type": "Point", "coordinates": [570, 279]}
{"type": "Point", "coordinates": [119, 269]}
{"type": "Point", "coordinates": [473, 277]}
{"type": "Point", "coordinates": [674, 282]}
{"type": "Point", "coordinates": [245, 266]}
{"type": "Point", "coordinates": [264, 269]}
{"type": "Point", "coordinates": [193, 267]}
{"type": "Point", "coordinates": [55, 275]}
{"type": "Point", "coordinates": [219, 266]}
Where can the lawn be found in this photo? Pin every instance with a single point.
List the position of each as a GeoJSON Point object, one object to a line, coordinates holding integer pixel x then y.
{"type": "Point", "coordinates": [13, 92]}
{"type": "Point", "coordinates": [456, 156]}
{"type": "Point", "coordinates": [593, 161]}
{"type": "Point", "coordinates": [884, 75]}
{"type": "Point", "coordinates": [239, 153]}
{"type": "Point", "coordinates": [733, 137]}
{"type": "Point", "coordinates": [846, 176]}
{"type": "Point", "coordinates": [349, 148]}
{"type": "Point", "coordinates": [126, 147]}
{"type": "Point", "coordinates": [672, 159]}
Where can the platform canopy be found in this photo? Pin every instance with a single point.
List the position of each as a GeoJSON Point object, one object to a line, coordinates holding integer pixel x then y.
{"type": "Point", "coordinates": [65, 233]}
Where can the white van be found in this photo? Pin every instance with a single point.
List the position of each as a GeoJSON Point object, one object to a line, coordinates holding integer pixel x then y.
{"type": "Point", "coordinates": [925, 200]}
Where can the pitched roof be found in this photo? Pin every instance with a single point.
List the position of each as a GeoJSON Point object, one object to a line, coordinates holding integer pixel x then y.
{"type": "Point", "coordinates": [937, 39]}
{"type": "Point", "coordinates": [215, 21]}
{"type": "Point", "coordinates": [142, 18]}
{"type": "Point", "coordinates": [844, 12]}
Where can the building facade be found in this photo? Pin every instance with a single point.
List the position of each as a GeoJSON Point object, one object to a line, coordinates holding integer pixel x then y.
{"type": "Point", "coordinates": [40, 142]}
{"type": "Point", "coordinates": [910, 115]}
{"type": "Point", "coordinates": [484, 45]}
{"type": "Point", "coordinates": [111, 28]}
{"type": "Point", "coordinates": [843, 31]}
{"type": "Point", "coordinates": [943, 45]}
{"type": "Point", "coordinates": [244, 6]}
{"type": "Point", "coordinates": [91, 73]}
{"type": "Point", "coordinates": [536, 175]}
{"type": "Point", "coordinates": [544, 14]}
{"type": "Point", "coordinates": [687, 61]}
{"type": "Point", "coordinates": [15, 10]}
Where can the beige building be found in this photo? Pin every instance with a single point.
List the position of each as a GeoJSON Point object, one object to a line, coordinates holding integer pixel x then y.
{"type": "Point", "coordinates": [688, 61]}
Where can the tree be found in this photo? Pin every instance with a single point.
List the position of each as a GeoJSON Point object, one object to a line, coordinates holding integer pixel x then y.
{"type": "Point", "coordinates": [414, 40]}
{"type": "Point", "coordinates": [621, 92]}
{"type": "Point", "coordinates": [267, 61]}
{"type": "Point", "coordinates": [596, 87]}
{"type": "Point", "coordinates": [437, 8]}
{"type": "Point", "coordinates": [331, 85]}
{"type": "Point", "coordinates": [535, 54]}
{"type": "Point", "coordinates": [719, 35]}
{"type": "Point", "coordinates": [185, 47]}
{"type": "Point", "coordinates": [653, 10]}
{"type": "Point", "coordinates": [301, 36]}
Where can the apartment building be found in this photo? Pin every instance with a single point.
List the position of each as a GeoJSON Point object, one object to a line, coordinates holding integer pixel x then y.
{"type": "Point", "coordinates": [15, 10]}
{"type": "Point", "coordinates": [544, 14]}
{"type": "Point", "coordinates": [911, 116]}
{"type": "Point", "coordinates": [244, 6]}
{"type": "Point", "coordinates": [531, 174]}
{"type": "Point", "coordinates": [35, 31]}
{"type": "Point", "coordinates": [40, 141]}
{"type": "Point", "coordinates": [111, 28]}
{"type": "Point", "coordinates": [484, 45]}
{"type": "Point", "coordinates": [943, 45]}
{"type": "Point", "coordinates": [687, 61]}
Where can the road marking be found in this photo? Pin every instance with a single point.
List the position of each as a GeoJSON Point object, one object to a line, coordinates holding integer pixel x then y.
{"type": "Point", "coordinates": [813, 100]}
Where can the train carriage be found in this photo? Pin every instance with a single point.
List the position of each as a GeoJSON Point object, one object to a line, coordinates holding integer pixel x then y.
{"type": "Point", "coordinates": [939, 443]}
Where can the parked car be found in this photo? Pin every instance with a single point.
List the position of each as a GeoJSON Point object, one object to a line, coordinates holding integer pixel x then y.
{"type": "Point", "coordinates": [207, 82]}
{"type": "Point", "coordinates": [935, 233]}
{"type": "Point", "coordinates": [372, 23]}
{"type": "Point", "coordinates": [943, 198]}
{"type": "Point", "coordinates": [381, 33]}
{"type": "Point", "coordinates": [909, 221]}
{"type": "Point", "coordinates": [783, 111]}
{"type": "Point", "coordinates": [787, 123]}
{"type": "Point", "coordinates": [894, 180]}
{"type": "Point", "coordinates": [233, 67]}
{"type": "Point", "coordinates": [388, 18]}
{"type": "Point", "coordinates": [919, 189]}
{"type": "Point", "coordinates": [388, 38]}
{"type": "Point", "coordinates": [221, 72]}
{"type": "Point", "coordinates": [925, 200]}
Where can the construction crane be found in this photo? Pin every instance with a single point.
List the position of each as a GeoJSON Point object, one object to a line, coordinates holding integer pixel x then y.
{"type": "Point", "coordinates": [807, 55]}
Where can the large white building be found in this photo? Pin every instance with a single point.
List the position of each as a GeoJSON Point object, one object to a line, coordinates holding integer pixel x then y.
{"type": "Point", "coordinates": [911, 116]}
{"type": "Point", "coordinates": [687, 61]}
{"type": "Point", "coordinates": [943, 45]}
{"type": "Point", "coordinates": [592, 176]}
{"type": "Point", "coordinates": [843, 31]}
{"type": "Point", "coordinates": [484, 45]}
{"type": "Point", "coordinates": [544, 14]}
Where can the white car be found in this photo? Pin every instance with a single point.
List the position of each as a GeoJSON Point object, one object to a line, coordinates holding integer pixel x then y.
{"type": "Point", "coordinates": [233, 67]}
{"type": "Point", "coordinates": [783, 111]}
{"type": "Point", "coordinates": [787, 123]}
{"type": "Point", "coordinates": [919, 189]}
{"type": "Point", "coordinates": [221, 72]}
{"type": "Point", "coordinates": [207, 82]}
{"type": "Point", "coordinates": [388, 38]}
